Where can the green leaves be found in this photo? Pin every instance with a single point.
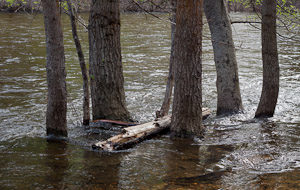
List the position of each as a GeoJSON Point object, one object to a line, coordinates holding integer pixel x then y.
{"type": "Point", "coordinates": [287, 13]}
{"type": "Point", "coordinates": [92, 77]}
{"type": "Point", "coordinates": [11, 3]}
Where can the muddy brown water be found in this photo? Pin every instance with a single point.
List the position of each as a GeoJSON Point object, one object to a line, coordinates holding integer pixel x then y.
{"type": "Point", "coordinates": [238, 152]}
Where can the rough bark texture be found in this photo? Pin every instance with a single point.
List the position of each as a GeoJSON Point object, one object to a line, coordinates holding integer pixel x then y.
{"type": "Point", "coordinates": [228, 89]}
{"type": "Point", "coordinates": [187, 103]}
{"type": "Point", "coordinates": [106, 72]}
{"type": "Point", "coordinates": [56, 122]}
{"type": "Point", "coordinates": [270, 87]}
{"type": "Point", "coordinates": [86, 93]}
{"type": "Point", "coordinates": [133, 135]}
{"type": "Point", "coordinates": [164, 110]}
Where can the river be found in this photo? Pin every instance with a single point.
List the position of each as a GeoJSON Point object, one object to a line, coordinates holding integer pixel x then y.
{"type": "Point", "coordinates": [238, 152]}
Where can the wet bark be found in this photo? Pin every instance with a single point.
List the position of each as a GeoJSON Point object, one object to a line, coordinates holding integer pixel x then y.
{"type": "Point", "coordinates": [106, 72]}
{"type": "Point", "coordinates": [133, 135]}
{"type": "Point", "coordinates": [228, 89]}
{"type": "Point", "coordinates": [187, 103]}
{"type": "Point", "coordinates": [56, 122]}
{"type": "Point", "coordinates": [270, 88]}
{"type": "Point", "coordinates": [86, 93]}
{"type": "Point", "coordinates": [164, 110]}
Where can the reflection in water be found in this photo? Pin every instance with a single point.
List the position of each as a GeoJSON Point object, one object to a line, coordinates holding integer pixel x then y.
{"type": "Point", "coordinates": [238, 152]}
{"type": "Point", "coordinates": [100, 171]}
{"type": "Point", "coordinates": [58, 163]}
{"type": "Point", "coordinates": [196, 166]}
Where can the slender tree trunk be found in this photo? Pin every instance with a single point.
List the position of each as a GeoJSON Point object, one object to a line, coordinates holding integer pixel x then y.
{"type": "Point", "coordinates": [270, 88]}
{"type": "Point", "coordinates": [86, 93]}
{"type": "Point", "coordinates": [106, 72]}
{"type": "Point", "coordinates": [228, 89]}
{"type": "Point", "coordinates": [56, 122]}
{"type": "Point", "coordinates": [187, 104]}
{"type": "Point", "coordinates": [164, 110]}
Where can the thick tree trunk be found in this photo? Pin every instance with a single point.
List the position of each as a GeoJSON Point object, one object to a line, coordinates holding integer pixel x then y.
{"type": "Point", "coordinates": [56, 122]}
{"type": "Point", "coordinates": [187, 103]}
{"type": "Point", "coordinates": [86, 93]}
{"type": "Point", "coordinates": [270, 87]}
{"type": "Point", "coordinates": [106, 72]}
{"type": "Point", "coordinates": [228, 89]}
{"type": "Point", "coordinates": [164, 110]}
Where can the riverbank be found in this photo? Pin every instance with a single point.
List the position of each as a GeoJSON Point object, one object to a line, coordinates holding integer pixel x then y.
{"type": "Point", "coordinates": [125, 6]}
{"type": "Point", "coordinates": [84, 6]}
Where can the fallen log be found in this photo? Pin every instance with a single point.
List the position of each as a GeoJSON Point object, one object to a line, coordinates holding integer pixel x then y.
{"type": "Point", "coordinates": [130, 136]}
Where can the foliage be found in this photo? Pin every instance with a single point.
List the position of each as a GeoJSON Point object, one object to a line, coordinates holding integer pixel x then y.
{"type": "Point", "coordinates": [20, 2]}
{"type": "Point", "coordinates": [284, 7]}
{"type": "Point", "coordinates": [27, 4]}
{"type": "Point", "coordinates": [288, 14]}
{"type": "Point", "coordinates": [247, 3]}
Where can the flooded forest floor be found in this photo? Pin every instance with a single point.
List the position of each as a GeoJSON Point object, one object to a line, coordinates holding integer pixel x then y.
{"type": "Point", "coordinates": [238, 152]}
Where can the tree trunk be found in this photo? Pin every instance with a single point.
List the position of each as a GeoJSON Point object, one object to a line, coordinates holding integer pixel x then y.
{"type": "Point", "coordinates": [187, 103]}
{"type": "Point", "coordinates": [106, 72]}
{"type": "Point", "coordinates": [164, 110]}
{"type": "Point", "coordinates": [56, 122]}
{"type": "Point", "coordinates": [86, 93]}
{"type": "Point", "coordinates": [270, 88]}
{"type": "Point", "coordinates": [228, 89]}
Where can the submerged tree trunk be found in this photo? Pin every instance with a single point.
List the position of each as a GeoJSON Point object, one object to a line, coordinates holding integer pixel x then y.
{"type": "Point", "coordinates": [106, 72]}
{"type": "Point", "coordinates": [86, 93]}
{"type": "Point", "coordinates": [56, 122]}
{"type": "Point", "coordinates": [270, 87]}
{"type": "Point", "coordinates": [187, 104]}
{"type": "Point", "coordinates": [164, 110]}
{"type": "Point", "coordinates": [228, 89]}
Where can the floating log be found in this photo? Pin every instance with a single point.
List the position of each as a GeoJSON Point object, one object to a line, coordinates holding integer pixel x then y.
{"type": "Point", "coordinates": [130, 136]}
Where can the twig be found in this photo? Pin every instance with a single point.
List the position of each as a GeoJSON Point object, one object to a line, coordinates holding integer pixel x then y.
{"type": "Point", "coordinates": [135, 2]}
{"type": "Point", "coordinates": [245, 22]}
{"type": "Point", "coordinates": [79, 19]}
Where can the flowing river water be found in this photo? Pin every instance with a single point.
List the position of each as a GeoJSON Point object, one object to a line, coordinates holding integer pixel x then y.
{"type": "Point", "coordinates": [238, 152]}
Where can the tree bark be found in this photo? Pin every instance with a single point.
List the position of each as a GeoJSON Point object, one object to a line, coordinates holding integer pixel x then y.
{"type": "Point", "coordinates": [86, 93]}
{"type": "Point", "coordinates": [187, 103]}
{"type": "Point", "coordinates": [164, 110]}
{"type": "Point", "coordinates": [106, 72]}
{"type": "Point", "coordinates": [133, 135]}
{"type": "Point", "coordinates": [130, 136]}
{"type": "Point", "coordinates": [56, 122]}
{"type": "Point", "coordinates": [228, 89]}
{"type": "Point", "coordinates": [270, 88]}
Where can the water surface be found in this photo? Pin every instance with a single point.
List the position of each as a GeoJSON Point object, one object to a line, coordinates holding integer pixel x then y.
{"type": "Point", "coordinates": [237, 152]}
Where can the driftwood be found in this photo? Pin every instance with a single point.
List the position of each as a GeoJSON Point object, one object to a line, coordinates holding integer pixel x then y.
{"type": "Point", "coordinates": [130, 136]}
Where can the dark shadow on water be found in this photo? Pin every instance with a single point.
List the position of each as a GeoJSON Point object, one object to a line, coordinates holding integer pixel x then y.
{"type": "Point", "coordinates": [194, 166]}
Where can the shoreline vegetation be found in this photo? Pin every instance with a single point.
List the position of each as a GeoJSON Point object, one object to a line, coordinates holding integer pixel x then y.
{"type": "Point", "coordinates": [31, 6]}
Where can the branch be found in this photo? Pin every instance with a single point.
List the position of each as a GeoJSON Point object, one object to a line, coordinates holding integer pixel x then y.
{"type": "Point", "coordinates": [245, 22]}
{"type": "Point", "coordinates": [158, 6]}
{"type": "Point", "coordinates": [79, 19]}
{"type": "Point", "coordinates": [135, 2]}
